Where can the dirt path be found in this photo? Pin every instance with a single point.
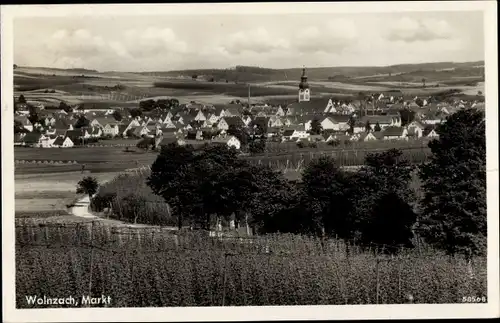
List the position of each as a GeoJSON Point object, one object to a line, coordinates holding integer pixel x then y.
{"type": "Point", "coordinates": [81, 209]}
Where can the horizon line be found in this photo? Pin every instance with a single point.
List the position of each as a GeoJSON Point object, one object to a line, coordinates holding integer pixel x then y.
{"type": "Point", "coordinates": [251, 66]}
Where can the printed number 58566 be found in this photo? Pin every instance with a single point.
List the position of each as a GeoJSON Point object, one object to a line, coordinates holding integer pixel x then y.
{"type": "Point", "coordinates": [473, 299]}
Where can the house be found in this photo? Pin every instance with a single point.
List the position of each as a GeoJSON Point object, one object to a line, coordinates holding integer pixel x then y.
{"type": "Point", "coordinates": [111, 129]}
{"type": "Point", "coordinates": [395, 133]}
{"type": "Point", "coordinates": [247, 120]}
{"type": "Point", "coordinates": [139, 131]}
{"type": "Point", "coordinates": [26, 123]}
{"type": "Point", "coordinates": [383, 121]}
{"type": "Point", "coordinates": [95, 132]}
{"type": "Point", "coordinates": [63, 142]}
{"type": "Point", "coordinates": [201, 116]}
{"type": "Point", "coordinates": [367, 136]}
{"type": "Point", "coordinates": [77, 134]}
{"type": "Point", "coordinates": [33, 139]}
{"type": "Point", "coordinates": [300, 134]}
{"type": "Point", "coordinates": [226, 122]}
{"type": "Point", "coordinates": [316, 106]}
{"type": "Point", "coordinates": [233, 110]}
{"type": "Point", "coordinates": [336, 122]}
{"type": "Point", "coordinates": [428, 120]}
{"type": "Point", "coordinates": [430, 132]}
{"type": "Point", "coordinates": [230, 141]}
{"type": "Point", "coordinates": [275, 121]}
{"type": "Point", "coordinates": [100, 122]}
{"type": "Point", "coordinates": [134, 123]}
{"type": "Point", "coordinates": [415, 129]}
{"type": "Point", "coordinates": [213, 118]}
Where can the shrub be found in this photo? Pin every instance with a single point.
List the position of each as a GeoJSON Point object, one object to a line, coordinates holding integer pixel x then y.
{"type": "Point", "coordinates": [131, 200]}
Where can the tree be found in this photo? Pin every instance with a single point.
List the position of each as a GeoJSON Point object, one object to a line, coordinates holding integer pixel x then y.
{"type": "Point", "coordinates": [81, 122]}
{"type": "Point", "coordinates": [423, 82]}
{"type": "Point", "coordinates": [385, 177]}
{"type": "Point", "coordinates": [169, 179]}
{"type": "Point", "coordinates": [117, 115]}
{"type": "Point", "coordinates": [368, 127]}
{"type": "Point", "coordinates": [351, 122]}
{"type": "Point", "coordinates": [328, 197]}
{"type": "Point", "coordinates": [377, 127]}
{"type": "Point", "coordinates": [194, 77]}
{"type": "Point", "coordinates": [135, 113]}
{"type": "Point", "coordinates": [390, 225]}
{"type": "Point", "coordinates": [454, 184]}
{"type": "Point", "coordinates": [407, 116]}
{"type": "Point", "coordinates": [240, 133]}
{"type": "Point", "coordinates": [18, 127]}
{"type": "Point", "coordinates": [316, 127]}
{"type": "Point", "coordinates": [147, 105]}
{"type": "Point", "coordinates": [419, 102]}
{"type": "Point", "coordinates": [88, 185]}
{"type": "Point", "coordinates": [65, 107]}
{"type": "Point", "coordinates": [21, 99]}
{"type": "Point", "coordinates": [257, 145]}
{"type": "Point", "coordinates": [33, 114]}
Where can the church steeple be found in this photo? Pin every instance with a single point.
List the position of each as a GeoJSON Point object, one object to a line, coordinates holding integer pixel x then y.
{"type": "Point", "coordinates": [304, 92]}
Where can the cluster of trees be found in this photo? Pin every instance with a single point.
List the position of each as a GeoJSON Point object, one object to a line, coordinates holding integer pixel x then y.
{"type": "Point", "coordinates": [252, 139]}
{"type": "Point", "coordinates": [376, 204]}
{"type": "Point", "coordinates": [163, 104]}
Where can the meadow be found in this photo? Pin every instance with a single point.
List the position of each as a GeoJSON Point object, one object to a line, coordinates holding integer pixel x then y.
{"type": "Point", "coordinates": [115, 159]}
{"type": "Point", "coordinates": [155, 267]}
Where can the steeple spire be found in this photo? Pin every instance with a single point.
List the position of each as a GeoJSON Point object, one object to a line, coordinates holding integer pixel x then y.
{"type": "Point", "coordinates": [304, 92]}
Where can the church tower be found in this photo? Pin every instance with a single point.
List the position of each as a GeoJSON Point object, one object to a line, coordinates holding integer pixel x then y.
{"type": "Point", "coordinates": [304, 92]}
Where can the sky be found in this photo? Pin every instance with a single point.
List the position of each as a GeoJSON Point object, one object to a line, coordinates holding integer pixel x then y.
{"type": "Point", "coordinates": [173, 42]}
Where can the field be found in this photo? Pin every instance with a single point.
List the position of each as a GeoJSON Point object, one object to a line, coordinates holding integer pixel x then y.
{"type": "Point", "coordinates": [48, 195]}
{"type": "Point", "coordinates": [116, 159]}
{"type": "Point", "coordinates": [123, 89]}
{"type": "Point", "coordinates": [146, 268]}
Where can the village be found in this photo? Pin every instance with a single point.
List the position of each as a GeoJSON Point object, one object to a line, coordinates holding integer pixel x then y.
{"type": "Point", "coordinates": [375, 117]}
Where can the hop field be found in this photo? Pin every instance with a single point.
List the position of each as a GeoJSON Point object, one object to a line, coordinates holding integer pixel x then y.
{"type": "Point", "coordinates": [144, 268]}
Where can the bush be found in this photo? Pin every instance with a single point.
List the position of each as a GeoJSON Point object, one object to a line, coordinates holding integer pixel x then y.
{"type": "Point", "coordinates": [131, 200]}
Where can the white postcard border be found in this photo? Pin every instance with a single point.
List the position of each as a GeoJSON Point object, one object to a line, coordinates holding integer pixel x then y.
{"type": "Point", "coordinates": [265, 312]}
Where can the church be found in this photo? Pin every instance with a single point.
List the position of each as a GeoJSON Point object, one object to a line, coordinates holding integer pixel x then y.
{"type": "Point", "coordinates": [304, 91]}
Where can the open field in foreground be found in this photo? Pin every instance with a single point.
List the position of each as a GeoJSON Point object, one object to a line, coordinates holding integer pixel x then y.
{"type": "Point", "coordinates": [44, 195]}
{"type": "Point", "coordinates": [153, 268]}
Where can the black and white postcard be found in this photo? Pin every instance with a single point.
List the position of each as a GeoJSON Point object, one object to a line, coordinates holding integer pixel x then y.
{"type": "Point", "coordinates": [249, 161]}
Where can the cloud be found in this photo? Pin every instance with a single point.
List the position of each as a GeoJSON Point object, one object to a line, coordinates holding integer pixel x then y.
{"type": "Point", "coordinates": [331, 37]}
{"type": "Point", "coordinates": [255, 40]}
{"type": "Point", "coordinates": [153, 41]}
{"type": "Point", "coordinates": [409, 30]}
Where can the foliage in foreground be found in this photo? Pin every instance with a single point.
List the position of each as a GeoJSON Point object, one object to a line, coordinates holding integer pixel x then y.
{"type": "Point", "coordinates": [454, 206]}
{"type": "Point", "coordinates": [161, 269]}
